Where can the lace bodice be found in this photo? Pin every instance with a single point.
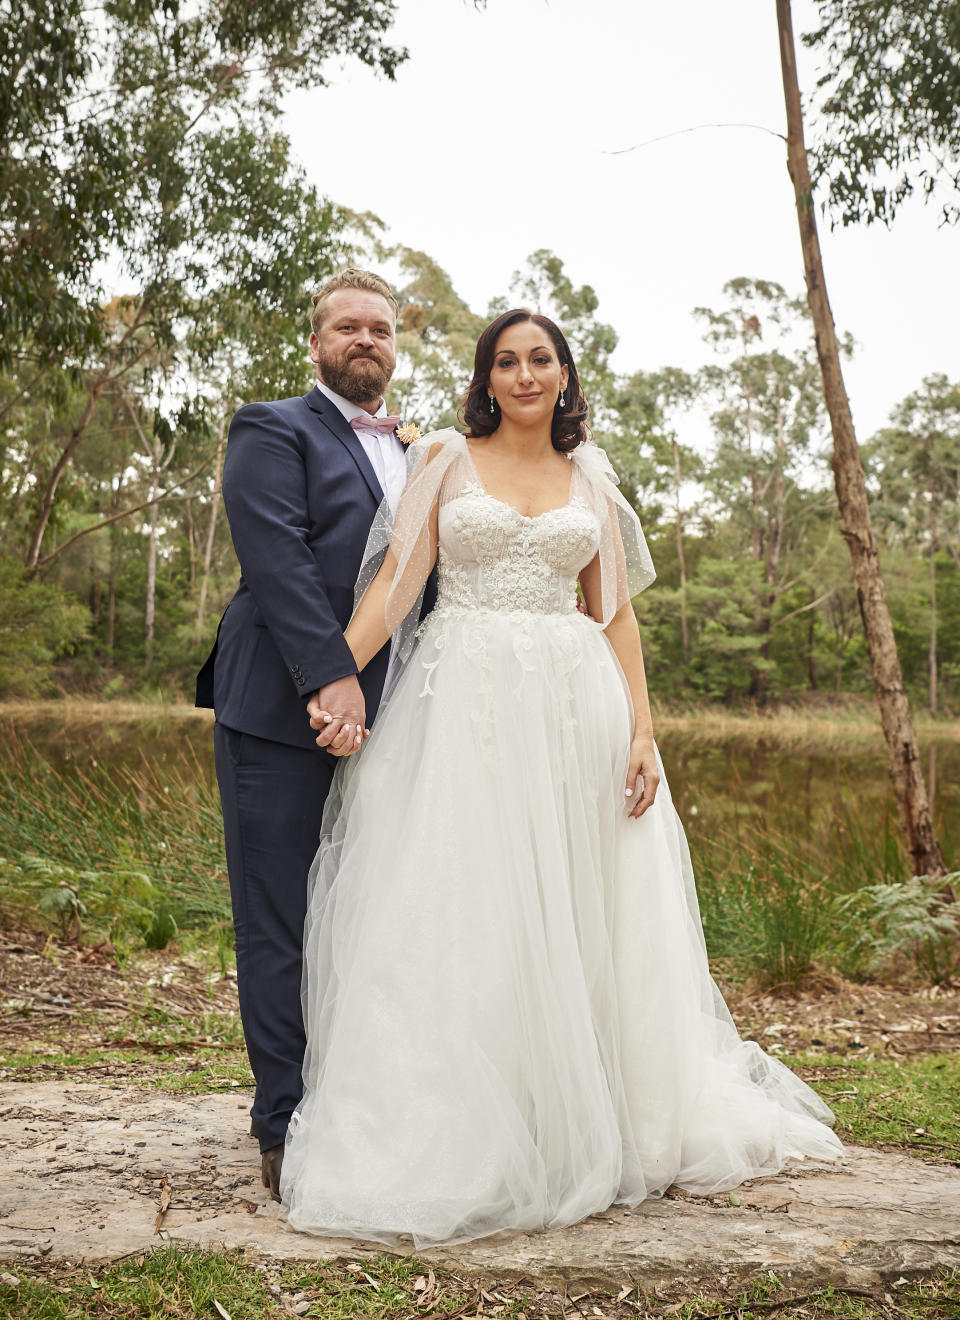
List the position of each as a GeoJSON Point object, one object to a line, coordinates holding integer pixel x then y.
{"type": "Point", "coordinates": [490, 556]}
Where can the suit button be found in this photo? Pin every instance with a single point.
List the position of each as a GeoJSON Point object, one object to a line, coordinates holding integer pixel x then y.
{"type": "Point", "coordinates": [300, 680]}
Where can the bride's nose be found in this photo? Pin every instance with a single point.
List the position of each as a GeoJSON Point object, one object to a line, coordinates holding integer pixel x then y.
{"type": "Point", "coordinates": [526, 375]}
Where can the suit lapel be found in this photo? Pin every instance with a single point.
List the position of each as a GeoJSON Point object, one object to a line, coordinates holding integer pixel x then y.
{"type": "Point", "coordinates": [335, 422]}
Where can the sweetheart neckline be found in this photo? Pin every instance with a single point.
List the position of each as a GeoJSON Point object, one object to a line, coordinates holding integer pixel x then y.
{"type": "Point", "coordinates": [477, 488]}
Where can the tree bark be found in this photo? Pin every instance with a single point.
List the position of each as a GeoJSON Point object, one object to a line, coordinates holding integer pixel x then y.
{"type": "Point", "coordinates": [150, 604]}
{"type": "Point", "coordinates": [211, 530]}
{"type": "Point", "coordinates": [53, 481]}
{"type": "Point", "coordinates": [811, 633]}
{"type": "Point", "coordinates": [684, 629]}
{"type": "Point", "coordinates": [903, 757]}
{"type": "Point", "coordinates": [933, 596]}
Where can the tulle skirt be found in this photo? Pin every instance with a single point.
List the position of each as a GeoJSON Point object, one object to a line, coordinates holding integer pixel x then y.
{"type": "Point", "coordinates": [511, 1022]}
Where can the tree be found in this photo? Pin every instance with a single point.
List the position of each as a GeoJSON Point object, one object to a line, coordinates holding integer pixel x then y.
{"type": "Point", "coordinates": [767, 407]}
{"type": "Point", "coordinates": [643, 443]}
{"type": "Point", "coordinates": [436, 337]}
{"type": "Point", "coordinates": [902, 751]}
{"type": "Point", "coordinates": [917, 463]}
{"type": "Point", "coordinates": [887, 109]}
{"type": "Point", "coordinates": [145, 132]}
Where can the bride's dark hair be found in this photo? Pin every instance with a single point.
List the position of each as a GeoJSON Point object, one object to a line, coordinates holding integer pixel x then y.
{"type": "Point", "coordinates": [569, 422]}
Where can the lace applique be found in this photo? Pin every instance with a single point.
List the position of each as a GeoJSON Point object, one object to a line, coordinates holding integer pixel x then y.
{"type": "Point", "coordinates": [492, 557]}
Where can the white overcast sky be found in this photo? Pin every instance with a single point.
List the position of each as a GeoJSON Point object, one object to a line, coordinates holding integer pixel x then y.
{"type": "Point", "coordinates": [494, 141]}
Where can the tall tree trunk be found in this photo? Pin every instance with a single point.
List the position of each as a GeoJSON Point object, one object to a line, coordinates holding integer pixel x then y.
{"type": "Point", "coordinates": [903, 757]}
{"type": "Point", "coordinates": [933, 597]}
{"type": "Point", "coordinates": [110, 639]}
{"type": "Point", "coordinates": [211, 530]}
{"type": "Point", "coordinates": [150, 604]}
{"type": "Point", "coordinates": [158, 462]}
{"type": "Point", "coordinates": [191, 543]}
{"type": "Point", "coordinates": [811, 632]}
{"type": "Point", "coordinates": [111, 600]}
{"type": "Point", "coordinates": [49, 496]}
{"type": "Point", "coordinates": [684, 629]}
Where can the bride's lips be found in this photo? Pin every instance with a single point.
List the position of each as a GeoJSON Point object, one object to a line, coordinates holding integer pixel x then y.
{"type": "Point", "coordinates": [528, 396]}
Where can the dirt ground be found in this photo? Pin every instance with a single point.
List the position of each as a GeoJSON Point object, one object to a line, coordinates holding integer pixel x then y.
{"type": "Point", "coordinates": [54, 995]}
{"type": "Point", "coordinates": [95, 1164]}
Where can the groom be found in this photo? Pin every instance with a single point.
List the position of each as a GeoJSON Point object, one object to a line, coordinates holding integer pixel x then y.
{"type": "Point", "coordinates": [302, 480]}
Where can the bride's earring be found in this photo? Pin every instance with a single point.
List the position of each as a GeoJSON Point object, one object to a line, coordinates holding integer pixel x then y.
{"type": "Point", "coordinates": [561, 400]}
{"type": "Point", "coordinates": [492, 404]}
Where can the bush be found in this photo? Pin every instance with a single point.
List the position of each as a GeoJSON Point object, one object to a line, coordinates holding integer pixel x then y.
{"type": "Point", "coordinates": [911, 918]}
{"type": "Point", "coordinates": [38, 622]}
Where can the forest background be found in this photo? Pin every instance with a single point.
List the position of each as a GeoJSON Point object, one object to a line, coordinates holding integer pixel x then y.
{"type": "Point", "coordinates": [157, 161]}
{"type": "Point", "coordinates": [161, 235]}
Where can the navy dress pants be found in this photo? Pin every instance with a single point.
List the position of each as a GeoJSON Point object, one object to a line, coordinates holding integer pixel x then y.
{"type": "Point", "coordinates": [272, 796]}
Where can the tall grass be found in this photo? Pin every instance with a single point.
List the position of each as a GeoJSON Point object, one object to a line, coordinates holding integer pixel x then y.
{"type": "Point", "coordinates": [152, 841]}
{"type": "Point", "coordinates": [138, 847]}
{"type": "Point", "coordinates": [778, 906]}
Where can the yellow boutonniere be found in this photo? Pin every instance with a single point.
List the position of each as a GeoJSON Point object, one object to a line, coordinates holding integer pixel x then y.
{"type": "Point", "coordinates": [408, 432]}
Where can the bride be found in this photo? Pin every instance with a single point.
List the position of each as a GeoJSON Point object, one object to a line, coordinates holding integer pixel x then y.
{"type": "Point", "coordinates": [510, 1019]}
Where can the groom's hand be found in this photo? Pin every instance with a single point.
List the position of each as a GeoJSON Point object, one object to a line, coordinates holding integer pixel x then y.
{"type": "Point", "coordinates": [338, 713]}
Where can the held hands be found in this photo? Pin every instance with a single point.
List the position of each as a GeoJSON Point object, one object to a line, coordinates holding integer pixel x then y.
{"type": "Point", "coordinates": [338, 712]}
{"type": "Point", "coordinates": [643, 777]}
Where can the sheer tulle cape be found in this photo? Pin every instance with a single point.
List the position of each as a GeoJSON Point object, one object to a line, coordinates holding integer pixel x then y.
{"type": "Point", "coordinates": [511, 1022]}
{"type": "Point", "coordinates": [438, 464]}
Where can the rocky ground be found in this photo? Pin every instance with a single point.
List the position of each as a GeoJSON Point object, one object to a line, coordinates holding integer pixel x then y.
{"type": "Point", "coordinates": [107, 1150]}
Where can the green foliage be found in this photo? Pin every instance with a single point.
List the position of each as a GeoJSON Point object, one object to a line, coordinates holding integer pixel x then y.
{"type": "Point", "coordinates": [38, 623]}
{"type": "Point", "coordinates": [777, 903]}
{"type": "Point", "coordinates": [110, 902]}
{"type": "Point", "coordinates": [767, 920]}
{"type": "Point", "coordinates": [878, 923]}
{"type": "Point", "coordinates": [436, 337]}
{"type": "Point", "coordinates": [142, 850]}
{"type": "Point", "coordinates": [887, 105]}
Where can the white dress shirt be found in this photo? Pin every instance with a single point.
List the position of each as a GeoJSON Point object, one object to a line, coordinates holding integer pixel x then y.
{"type": "Point", "coordinates": [387, 455]}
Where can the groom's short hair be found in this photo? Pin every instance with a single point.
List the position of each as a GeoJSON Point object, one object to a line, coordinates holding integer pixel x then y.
{"type": "Point", "coordinates": [351, 278]}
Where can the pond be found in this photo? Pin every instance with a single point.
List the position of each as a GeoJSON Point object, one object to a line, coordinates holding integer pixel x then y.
{"type": "Point", "coordinates": [731, 779]}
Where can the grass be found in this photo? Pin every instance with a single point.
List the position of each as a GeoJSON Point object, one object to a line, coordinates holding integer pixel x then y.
{"type": "Point", "coordinates": [910, 1104]}
{"type": "Point", "coordinates": [197, 1073]}
{"type": "Point", "coordinates": [133, 853]}
{"type": "Point", "coordinates": [777, 906]}
{"type": "Point", "coordinates": [117, 850]}
{"type": "Point", "coordinates": [845, 728]}
{"type": "Point", "coordinates": [180, 1283]}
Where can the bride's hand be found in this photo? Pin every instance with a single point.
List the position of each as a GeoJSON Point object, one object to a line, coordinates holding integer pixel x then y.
{"type": "Point", "coordinates": [643, 776]}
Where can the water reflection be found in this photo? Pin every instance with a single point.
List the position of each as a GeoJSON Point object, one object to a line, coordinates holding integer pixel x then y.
{"type": "Point", "coordinates": [734, 789]}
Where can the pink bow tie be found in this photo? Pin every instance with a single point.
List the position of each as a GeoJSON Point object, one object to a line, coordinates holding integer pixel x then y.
{"type": "Point", "coordinates": [379, 425]}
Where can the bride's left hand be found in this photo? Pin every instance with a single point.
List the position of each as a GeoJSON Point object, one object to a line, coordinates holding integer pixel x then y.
{"type": "Point", "coordinates": [643, 776]}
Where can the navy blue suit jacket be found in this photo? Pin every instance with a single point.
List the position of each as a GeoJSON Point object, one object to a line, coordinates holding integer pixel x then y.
{"type": "Point", "coordinates": [300, 496]}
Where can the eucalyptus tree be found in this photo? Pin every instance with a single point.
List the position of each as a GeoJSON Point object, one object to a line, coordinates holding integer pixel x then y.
{"type": "Point", "coordinates": [766, 412]}
{"type": "Point", "coordinates": [902, 751]}
{"type": "Point", "coordinates": [436, 336]}
{"type": "Point", "coordinates": [916, 462]}
{"type": "Point", "coordinates": [641, 437]}
{"type": "Point", "coordinates": [143, 134]}
{"type": "Point", "coordinates": [887, 106]}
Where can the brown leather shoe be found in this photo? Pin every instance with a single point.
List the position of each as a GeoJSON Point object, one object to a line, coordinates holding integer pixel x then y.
{"type": "Point", "coordinates": [271, 1162]}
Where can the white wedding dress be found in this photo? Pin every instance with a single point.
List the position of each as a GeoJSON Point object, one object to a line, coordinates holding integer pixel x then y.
{"type": "Point", "coordinates": [511, 1022]}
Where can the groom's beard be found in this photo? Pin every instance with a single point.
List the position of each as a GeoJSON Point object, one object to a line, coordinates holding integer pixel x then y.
{"type": "Point", "coordinates": [359, 378]}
